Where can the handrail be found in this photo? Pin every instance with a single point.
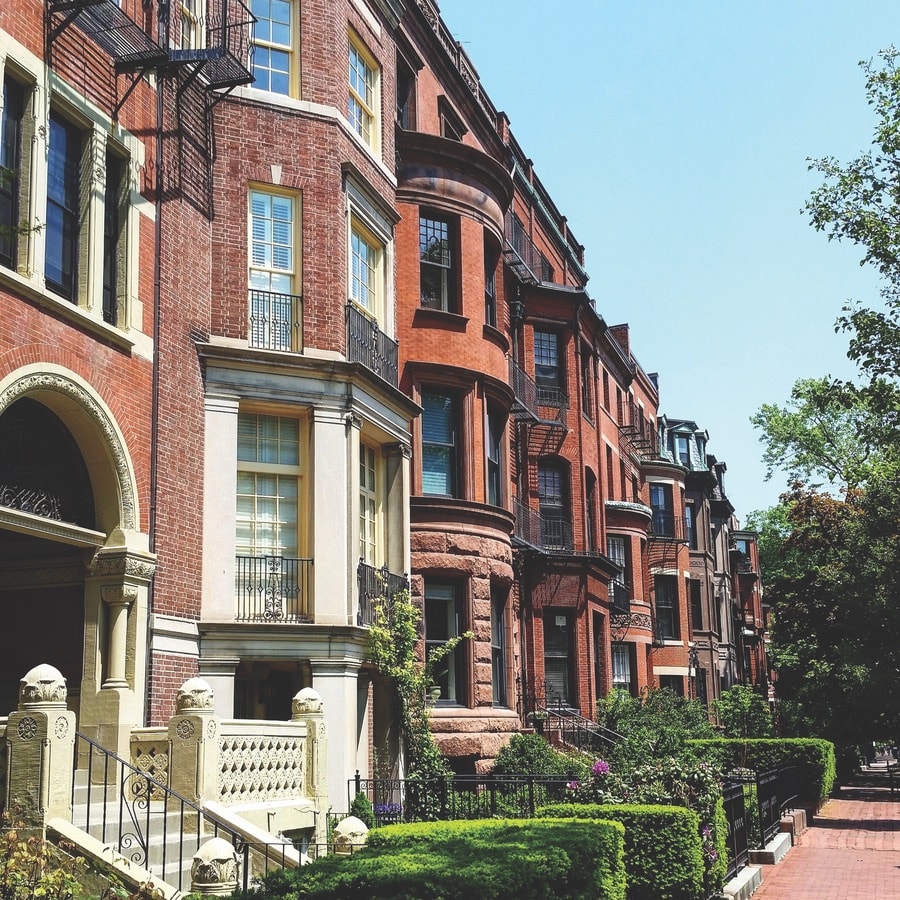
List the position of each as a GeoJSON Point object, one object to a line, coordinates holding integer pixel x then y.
{"type": "Point", "coordinates": [150, 824]}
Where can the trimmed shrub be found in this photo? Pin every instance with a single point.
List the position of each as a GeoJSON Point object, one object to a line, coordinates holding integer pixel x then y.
{"type": "Point", "coordinates": [487, 859]}
{"type": "Point", "coordinates": [813, 757]}
{"type": "Point", "coordinates": [530, 754]}
{"type": "Point", "coordinates": [663, 847]}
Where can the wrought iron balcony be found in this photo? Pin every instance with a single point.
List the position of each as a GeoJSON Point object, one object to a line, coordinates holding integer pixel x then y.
{"type": "Point", "coordinates": [524, 392]}
{"type": "Point", "coordinates": [620, 597]}
{"type": "Point", "coordinates": [377, 589]}
{"type": "Point", "coordinates": [520, 253]}
{"type": "Point", "coordinates": [276, 321]}
{"type": "Point", "coordinates": [666, 526]}
{"type": "Point", "coordinates": [369, 345]}
{"type": "Point", "coordinates": [540, 532]}
{"type": "Point", "coordinates": [273, 589]}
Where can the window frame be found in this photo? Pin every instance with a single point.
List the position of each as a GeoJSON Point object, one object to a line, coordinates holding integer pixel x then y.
{"type": "Point", "coordinates": [272, 46]}
{"type": "Point", "coordinates": [438, 591]}
{"type": "Point", "coordinates": [620, 651]}
{"type": "Point", "coordinates": [495, 426]}
{"type": "Point", "coordinates": [665, 600]}
{"type": "Point", "coordinates": [364, 115]}
{"type": "Point", "coordinates": [274, 333]}
{"type": "Point", "coordinates": [446, 273]}
{"type": "Point", "coordinates": [663, 513]}
{"type": "Point", "coordinates": [15, 99]}
{"type": "Point", "coordinates": [555, 507]}
{"type": "Point", "coordinates": [499, 647]}
{"type": "Point", "coordinates": [360, 233]}
{"type": "Point", "coordinates": [371, 504]}
{"type": "Point", "coordinates": [452, 446]}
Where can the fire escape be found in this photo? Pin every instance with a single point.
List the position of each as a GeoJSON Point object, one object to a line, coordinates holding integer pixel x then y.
{"type": "Point", "coordinates": [201, 49]}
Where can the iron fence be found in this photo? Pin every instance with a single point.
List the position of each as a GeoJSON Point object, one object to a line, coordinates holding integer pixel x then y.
{"type": "Point", "coordinates": [737, 838]}
{"type": "Point", "coordinates": [374, 585]}
{"type": "Point", "coordinates": [273, 589]}
{"type": "Point", "coordinates": [369, 345]}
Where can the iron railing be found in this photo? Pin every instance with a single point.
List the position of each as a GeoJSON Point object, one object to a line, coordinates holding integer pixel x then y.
{"type": "Point", "coordinates": [539, 531]}
{"type": "Point", "coordinates": [776, 793]}
{"type": "Point", "coordinates": [273, 589]}
{"type": "Point", "coordinates": [151, 825]}
{"type": "Point", "coordinates": [620, 596]}
{"type": "Point", "coordinates": [369, 345]}
{"type": "Point", "coordinates": [665, 525]}
{"type": "Point", "coordinates": [552, 716]}
{"type": "Point", "coordinates": [556, 534]}
{"type": "Point", "coordinates": [458, 797]}
{"type": "Point", "coordinates": [276, 321]}
{"type": "Point", "coordinates": [735, 814]}
{"type": "Point", "coordinates": [376, 585]}
{"type": "Point", "coordinates": [524, 391]}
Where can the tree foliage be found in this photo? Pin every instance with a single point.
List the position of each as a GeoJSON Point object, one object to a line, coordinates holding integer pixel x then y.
{"type": "Point", "coordinates": [744, 713]}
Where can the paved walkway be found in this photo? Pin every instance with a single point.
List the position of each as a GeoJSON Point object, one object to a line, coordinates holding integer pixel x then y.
{"type": "Point", "coordinates": [851, 852]}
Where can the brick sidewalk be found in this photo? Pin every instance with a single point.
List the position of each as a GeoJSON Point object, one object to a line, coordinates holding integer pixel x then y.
{"type": "Point", "coordinates": [851, 852]}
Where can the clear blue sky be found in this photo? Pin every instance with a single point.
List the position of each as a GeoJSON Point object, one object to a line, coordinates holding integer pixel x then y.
{"type": "Point", "coordinates": [674, 136]}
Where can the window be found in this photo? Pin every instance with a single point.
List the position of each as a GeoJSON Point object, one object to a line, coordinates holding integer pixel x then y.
{"type": "Point", "coordinates": [452, 127]}
{"type": "Point", "coordinates": [690, 524]}
{"type": "Point", "coordinates": [559, 652]}
{"type": "Point", "coordinates": [366, 270]}
{"type": "Point", "coordinates": [114, 221]}
{"type": "Point", "coordinates": [590, 497]}
{"type": "Point", "coordinates": [275, 313]}
{"type": "Point", "coordinates": [546, 269]}
{"type": "Point", "coordinates": [674, 683]}
{"type": "Point", "coordinates": [191, 14]}
{"type": "Point", "coordinates": [547, 371]}
{"type": "Point", "coordinates": [498, 647]}
{"type": "Point", "coordinates": [556, 528]}
{"type": "Point", "coordinates": [606, 390]}
{"type": "Point", "coordinates": [661, 504]}
{"type": "Point", "coordinates": [11, 181]}
{"type": "Point", "coordinates": [696, 588]}
{"type": "Point", "coordinates": [587, 382]}
{"type": "Point", "coordinates": [621, 667]}
{"type": "Point", "coordinates": [496, 422]}
{"type": "Point", "coordinates": [406, 95]}
{"type": "Point", "coordinates": [682, 449]}
{"type": "Point", "coordinates": [362, 98]}
{"type": "Point", "coordinates": [439, 444]}
{"type": "Point", "coordinates": [490, 285]}
{"type": "Point", "coordinates": [369, 505]}
{"type": "Point", "coordinates": [62, 232]}
{"type": "Point", "coordinates": [436, 265]}
{"type": "Point", "coordinates": [272, 57]}
{"type": "Point", "coordinates": [666, 607]}
{"type": "Point", "coordinates": [610, 468]}
{"type": "Point", "coordinates": [617, 551]}
{"type": "Point", "coordinates": [443, 622]}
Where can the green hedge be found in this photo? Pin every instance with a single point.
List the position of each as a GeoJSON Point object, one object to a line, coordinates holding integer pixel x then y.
{"type": "Point", "coordinates": [487, 859]}
{"type": "Point", "coordinates": [813, 757]}
{"type": "Point", "coordinates": [663, 848]}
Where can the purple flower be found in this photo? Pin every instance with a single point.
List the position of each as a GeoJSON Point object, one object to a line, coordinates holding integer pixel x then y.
{"type": "Point", "coordinates": [573, 785]}
{"type": "Point", "coordinates": [601, 767]}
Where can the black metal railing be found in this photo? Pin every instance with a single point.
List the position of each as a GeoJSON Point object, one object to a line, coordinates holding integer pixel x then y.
{"type": "Point", "coordinates": [151, 825]}
{"type": "Point", "coordinates": [620, 595]}
{"type": "Point", "coordinates": [665, 525]}
{"type": "Point", "coordinates": [524, 391]}
{"type": "Point", "coordinates": [521, 254]}
{"type": "Point", "coordinates": [556, 534]}
{"type": "Point", "coordinates": [776, 793]}
{"type": "Point", "coordinates": [551, 715]}
{"type": "Point", "coordinates": [540, 531]}
{"type": "Point", "coordinates": [273, 589]}
{"type": "Point", "coordinates": [377, 589]}
{"type": "Point", "coordinates": [276, 321]}
{"type": "Point", "coordinates": [457, 797]}
{"type": "Point", "coordinates": [736, 816]}
{"type": "Point", "coordinates": [369, 345]}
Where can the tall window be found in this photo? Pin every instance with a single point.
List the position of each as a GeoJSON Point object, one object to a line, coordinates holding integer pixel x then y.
{"type": "Point", "coordinates": [495, 424]}
{"type": "Point", "coordinates": [690, 524]}
{"type": "Point", "coordinates": [113, 244]}
{"type": "Point", "coordinates": [617, 551]}
{"type": "Point", "coordinates": [443, 621]}
{"type": "Point", "coordinates": [498, 647]}
{"type": "Point", "coordinates": [62, 232]}
{"type": "Point", "coordinates": [268, 485]}
{"type": "Point", "coordinates": [666, 607]}
{"type": "Point", "coordinates": [366, 267]}
{"type": "Point", "coordinates": [663, 513]}
{"type": "Point", "coordinates": [275, 314]}
{"type": "Point", "coordinates": [440, 473]}
{"type": "Point", "coordinates": [590, 496]}
{"type": "Point", "coordinates": [559, 654]}
{"type": "Point", "coordinates": [273, 45]}
{"type": "Point", "coordinates": [406, 95]}
{"type": "Point", "coordinates": [621, 667]}
{"type": "Point", "coordinates": [362, 97]}
{"type": "Point", "coordinates": [490, 286]}
{"type": "Point", "coordinates": [696, 587]}
{"type": "Point", "coordinates": [369, 503]}
{"type": "Point", "coordinates": [191, 14]}
{"type": "Point", "coordinates": [556, 528]}
{"type": "Point", "coordinates": [10, 169]}
{"type": "Point", "coordinates": [436, 265]}
{"type": "Point", "coordinates": [682, 448]}
{"type": "Point", "coordinates": [587, 382]}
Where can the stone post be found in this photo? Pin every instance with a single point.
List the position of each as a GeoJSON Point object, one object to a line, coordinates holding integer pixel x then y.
{"type": "Point", "coordinates": [307, 707]}
{"type": "Point", "coordinates": [194, 743]}
{"type": "Point", "coordinates": [40, 739]}
{"type": "Point", "coordinates": [215, 870]}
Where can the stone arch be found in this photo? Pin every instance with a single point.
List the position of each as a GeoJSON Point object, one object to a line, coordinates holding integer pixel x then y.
{"type": "Point", "coordinates": [95, 431]}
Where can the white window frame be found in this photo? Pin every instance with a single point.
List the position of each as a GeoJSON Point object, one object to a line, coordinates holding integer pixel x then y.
{"type": "Point", "coordinates": [367, 279]}
{"type": "Point", "coordinates": [371, 505]}
{"type": "Point", "coordinates": [363, 92]}
{"type": "Point", "coordinates": [270, 45]}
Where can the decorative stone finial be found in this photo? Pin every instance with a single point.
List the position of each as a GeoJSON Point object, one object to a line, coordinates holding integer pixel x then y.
{"type": "Point", "coordinates": [307, 701]}
{"type": "Point", "coordinates": [194, 694]}
{"type": "Point", "coordinates": [43, 684]}
{"type": "Point", "coordinates": [215, 869]}
{"type": "Point", "coordinates": [350, 834]}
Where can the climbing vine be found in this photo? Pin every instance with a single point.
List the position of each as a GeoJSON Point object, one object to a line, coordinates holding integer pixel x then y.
{"type": "Point", "coordinates": [394, 642]}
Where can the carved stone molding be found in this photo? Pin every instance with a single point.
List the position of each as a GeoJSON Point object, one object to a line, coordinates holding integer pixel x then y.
{"type": "Point", "coordinates": [121, 564]}
{"type": "Point", "coordinates": [118, 593]}
{"type": "Point", "coordinates": [62, 385]}
{"type": "Point", "coordinates": [195, 694]}
{"type": "Point", "coordinates": [42, 684]}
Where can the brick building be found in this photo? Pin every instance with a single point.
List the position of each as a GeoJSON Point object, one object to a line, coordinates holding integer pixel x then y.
{"type": "Point", "coordinates": [290, 318]}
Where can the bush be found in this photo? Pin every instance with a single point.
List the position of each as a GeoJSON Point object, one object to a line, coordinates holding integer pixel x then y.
{"type": "Point", "coordinates": [530, 754]}
{"type": "Point", "coordinates": [488, 859]}
{"type": "Point", "coordinates": [814, 758]}
{"type": "Point", "coordinates": [663, 847]}
{"type": "Point", "coordinates": [744, 713]}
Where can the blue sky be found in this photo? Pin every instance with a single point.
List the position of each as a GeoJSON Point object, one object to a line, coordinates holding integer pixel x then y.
{"type": "Point", "coordinates": [674, 135]}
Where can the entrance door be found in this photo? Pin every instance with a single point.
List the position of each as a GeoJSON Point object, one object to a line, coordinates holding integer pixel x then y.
{"type": "Point", "coordinates": [559, 644]}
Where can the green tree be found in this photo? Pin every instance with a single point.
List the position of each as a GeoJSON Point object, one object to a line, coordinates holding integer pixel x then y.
{"type": "Point", "coordinates": [744, 713]}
